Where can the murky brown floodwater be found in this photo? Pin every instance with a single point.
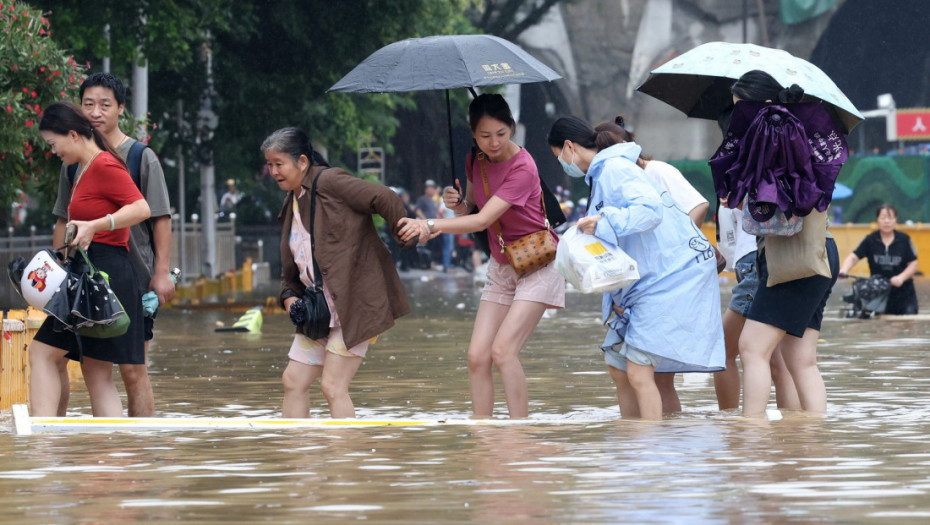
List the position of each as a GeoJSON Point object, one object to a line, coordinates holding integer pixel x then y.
{"type": "Point", "coordinates": [867, 461]}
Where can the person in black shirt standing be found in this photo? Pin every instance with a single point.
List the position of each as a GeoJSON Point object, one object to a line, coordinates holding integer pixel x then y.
{"type": "Point", "coordinates": [891, 254]}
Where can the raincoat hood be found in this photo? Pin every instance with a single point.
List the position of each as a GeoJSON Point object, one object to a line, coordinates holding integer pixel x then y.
{"type": "Point", "coordinates": [626, 150]}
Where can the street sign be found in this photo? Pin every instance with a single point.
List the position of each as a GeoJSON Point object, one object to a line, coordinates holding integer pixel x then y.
{"type": "Point", "coordinates": [371, 161]}
{"type": "Point", "coordinates": [913, 124]}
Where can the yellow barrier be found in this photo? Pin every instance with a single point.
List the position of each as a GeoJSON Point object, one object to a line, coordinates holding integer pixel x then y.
{"type": "Point", "coordinates": [202, 289]}
{"type": "Point", "coordinates": [14, 365]}
{"type": "Point", "coordinates": [849, 235]}
{"type": "Point", "coordinates": [19, 327]}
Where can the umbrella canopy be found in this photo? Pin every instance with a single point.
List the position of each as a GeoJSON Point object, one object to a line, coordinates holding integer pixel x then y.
{"type": "Point", "coordinates": [698, 82]}
{"type": "Point", "coordinates": [444, 62]}
{"type": "Point", "coordinates": [841, 191]}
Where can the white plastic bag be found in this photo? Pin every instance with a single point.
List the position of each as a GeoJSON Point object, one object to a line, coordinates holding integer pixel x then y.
{"type": "Point", "coordinates": [728, 220]}
{"type": "Point", "coordinates": [592, 265]}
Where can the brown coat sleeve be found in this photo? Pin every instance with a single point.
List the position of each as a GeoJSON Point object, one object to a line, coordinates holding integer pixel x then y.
{"type": "Point", "coordinates": [370, 198]}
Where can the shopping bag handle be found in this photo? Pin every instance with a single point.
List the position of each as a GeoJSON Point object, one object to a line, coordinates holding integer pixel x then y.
{"type": "Point", "coordinates": [90, 265]}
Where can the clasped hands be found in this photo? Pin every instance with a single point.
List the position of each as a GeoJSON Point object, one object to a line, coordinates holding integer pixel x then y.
{"type": "Point", "coordinates": [418, 229]}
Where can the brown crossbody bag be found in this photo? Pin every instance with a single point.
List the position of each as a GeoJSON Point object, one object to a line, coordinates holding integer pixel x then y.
{"type": "Point", "coordinates": [530, 252]}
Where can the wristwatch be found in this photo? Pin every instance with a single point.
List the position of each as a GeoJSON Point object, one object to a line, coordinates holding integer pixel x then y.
{"type": "Point", "coordinates": [430, 224]}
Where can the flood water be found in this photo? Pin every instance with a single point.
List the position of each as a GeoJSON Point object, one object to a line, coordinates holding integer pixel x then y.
{"type": "Point", "coordinates": [866, 461]}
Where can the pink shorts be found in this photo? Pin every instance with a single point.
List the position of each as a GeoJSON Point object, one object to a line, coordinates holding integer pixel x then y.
{"type": "Point", "coordinates": [309, 352]}
{"type": "Point", "coordinates": [546, 285]}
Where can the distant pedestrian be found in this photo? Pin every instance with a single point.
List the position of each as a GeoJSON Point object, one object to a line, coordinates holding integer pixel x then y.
{"type": "Point", "coordinates": [891, 254]}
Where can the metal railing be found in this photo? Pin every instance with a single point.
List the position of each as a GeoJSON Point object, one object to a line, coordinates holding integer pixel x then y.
{"type": "Point", "coordinates": [229, 254]}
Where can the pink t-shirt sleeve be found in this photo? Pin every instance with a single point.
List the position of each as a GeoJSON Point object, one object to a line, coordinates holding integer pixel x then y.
{"type": "Point", "coordinates": [516, 181]}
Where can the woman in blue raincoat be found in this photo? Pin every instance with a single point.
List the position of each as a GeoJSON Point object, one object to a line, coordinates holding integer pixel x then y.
{"type": "Point", "coordinates": [669, 320]}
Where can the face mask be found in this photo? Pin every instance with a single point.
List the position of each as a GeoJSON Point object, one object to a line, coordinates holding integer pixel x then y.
{"type": "Point", "coordinates": [572, 170]}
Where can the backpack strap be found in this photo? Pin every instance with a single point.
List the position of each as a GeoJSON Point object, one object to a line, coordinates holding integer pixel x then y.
{"type": "Point", "coordinates": [317, 277]}
{"type": "Point", "coordinates": [72, 172]}
{"type": "Point", "coordinates": [133, 162]}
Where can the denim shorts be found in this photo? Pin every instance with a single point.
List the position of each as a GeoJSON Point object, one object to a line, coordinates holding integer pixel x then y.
{"type": "Point", "coordinates": [627, 352]}
{"type": "Point", "coordinates": [747, 281]}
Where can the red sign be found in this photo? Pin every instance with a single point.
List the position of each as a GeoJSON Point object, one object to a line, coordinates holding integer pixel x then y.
{"type": "Point", "coordinates": [914, 124]}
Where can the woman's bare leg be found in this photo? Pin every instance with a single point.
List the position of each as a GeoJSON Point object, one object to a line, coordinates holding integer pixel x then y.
{"type": "Point", "coordinates": [338, 371]}
{"type": "Point", "coordinates": [757, 342]}
{"type": "Point", "coordinates": [104, 397]}
{"type": "Point", "coordinates": [297, 379]}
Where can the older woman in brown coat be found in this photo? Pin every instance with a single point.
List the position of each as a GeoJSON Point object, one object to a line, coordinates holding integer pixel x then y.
{"type": "Point", "coordinates": [360, 281]}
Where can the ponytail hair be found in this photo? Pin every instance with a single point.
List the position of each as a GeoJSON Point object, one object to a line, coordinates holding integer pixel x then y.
{"type": "Point", "coordinates": [294, 143]}
{"type": "Point", "coordinates": [490, 105]}
{"type": "Point", "coordinates": [573, 129]}
{"type": "Point", "coordinates": [62, 118]}
{"type": "Point", "coordinates": [759, 86]}
{"type": "Point", "coordinates": [610, 133]}
{"type": "Point", "coordinates": [600, 137]}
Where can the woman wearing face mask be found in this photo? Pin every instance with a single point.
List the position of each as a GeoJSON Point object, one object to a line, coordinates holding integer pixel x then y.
{"type": "Point", "coordinates": [511, 305]}
{"type": "Point", "coordinates": [669, 320]}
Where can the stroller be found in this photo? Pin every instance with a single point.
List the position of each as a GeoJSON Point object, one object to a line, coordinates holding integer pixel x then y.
{"type": "Point", "coordinates": [868, 296]}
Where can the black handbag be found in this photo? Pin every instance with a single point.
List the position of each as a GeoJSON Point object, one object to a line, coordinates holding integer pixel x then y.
{"type": "Point", "coordinates": [317, 312]}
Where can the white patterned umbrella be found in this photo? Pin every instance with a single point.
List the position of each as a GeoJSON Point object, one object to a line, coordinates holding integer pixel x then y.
{"type": "Point", "coordinates": [698, 82]}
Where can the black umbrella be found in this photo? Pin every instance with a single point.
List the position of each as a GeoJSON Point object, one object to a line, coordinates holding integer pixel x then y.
{"type": "Point", "coordinates": [92, 301]}
{"type": "Point", "coordinates": [84, 302]}
{"type": "Point", "coordinates": [444, 62]}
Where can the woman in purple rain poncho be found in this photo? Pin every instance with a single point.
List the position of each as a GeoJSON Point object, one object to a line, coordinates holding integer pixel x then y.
{"type": "Point", "coordinates": [780, 153]}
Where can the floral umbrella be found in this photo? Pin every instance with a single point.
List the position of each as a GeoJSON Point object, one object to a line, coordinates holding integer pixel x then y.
{"type": "Point", "coordinates": [698, 82]}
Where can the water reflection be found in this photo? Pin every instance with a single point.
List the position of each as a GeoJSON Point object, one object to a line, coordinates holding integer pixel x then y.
{"type": "Point", "coordinates": [866, 460]}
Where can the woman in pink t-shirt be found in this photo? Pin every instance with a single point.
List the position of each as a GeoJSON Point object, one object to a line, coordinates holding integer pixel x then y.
{"type": "Point", "coordinates": [511, 305]}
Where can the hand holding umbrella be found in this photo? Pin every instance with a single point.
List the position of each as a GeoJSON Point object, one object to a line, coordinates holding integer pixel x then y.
{"type": "Point", "coordinates": [83, 234]}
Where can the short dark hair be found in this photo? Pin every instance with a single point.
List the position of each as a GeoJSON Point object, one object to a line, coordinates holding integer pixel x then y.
{"type": "Point", "coordinates": [105, 80]}
{"type": "Point", "coordinates": [889, 207]}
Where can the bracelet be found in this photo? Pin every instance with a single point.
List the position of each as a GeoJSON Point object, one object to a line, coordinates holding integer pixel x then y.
{"type": "Point", "coordinates": [112, 221]}
{"type": "Point", "coordinates": [465, 202]}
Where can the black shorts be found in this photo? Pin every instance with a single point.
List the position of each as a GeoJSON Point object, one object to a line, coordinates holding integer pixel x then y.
{"type": "Point", "coordinates": [796, 305]}
{"type": "Point", "coordinates": [127, 348]}
{"type": "Point", "coordinates": [148, 328]}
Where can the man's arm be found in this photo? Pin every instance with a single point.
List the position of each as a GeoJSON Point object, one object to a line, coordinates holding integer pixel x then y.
{"type": "Point", "coordinates": [161, 282]}
{"type": "Point", "coordinates": [58, 234]}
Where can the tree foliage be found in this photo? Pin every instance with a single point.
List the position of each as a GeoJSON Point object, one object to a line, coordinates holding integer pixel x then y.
{"type": "Point", "coordinates": [272, 63]}
{"type": "Point", "coordinates": [34, 72]}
